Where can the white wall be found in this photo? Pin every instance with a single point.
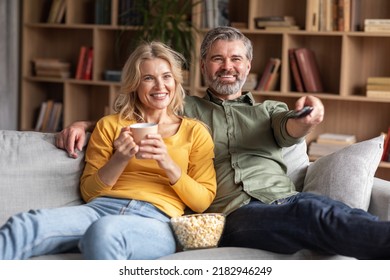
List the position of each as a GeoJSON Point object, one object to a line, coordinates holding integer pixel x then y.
{"type": "Point", "coordinates": [9, 64]}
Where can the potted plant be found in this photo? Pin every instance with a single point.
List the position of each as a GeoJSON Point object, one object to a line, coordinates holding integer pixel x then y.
{"type": "Point", "coordinates": [168, 21]}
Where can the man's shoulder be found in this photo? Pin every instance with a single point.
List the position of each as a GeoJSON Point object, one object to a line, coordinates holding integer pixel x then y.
{"type": "Point", "coordinates": [193, 99]}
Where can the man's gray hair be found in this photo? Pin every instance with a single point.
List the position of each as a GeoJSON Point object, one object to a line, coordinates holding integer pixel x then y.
{"type": "Point", "coordinates": [225, 33]}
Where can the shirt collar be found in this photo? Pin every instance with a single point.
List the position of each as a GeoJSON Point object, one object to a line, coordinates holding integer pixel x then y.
{"type": "Point", "coordinates": [246, 97]}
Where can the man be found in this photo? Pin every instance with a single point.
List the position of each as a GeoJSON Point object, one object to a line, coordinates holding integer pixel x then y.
{"type": "Point", "coordinates": [264, 210]}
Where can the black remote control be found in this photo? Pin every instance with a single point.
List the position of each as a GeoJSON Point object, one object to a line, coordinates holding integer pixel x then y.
{"type": "Point", "coordinates": [302, 113]}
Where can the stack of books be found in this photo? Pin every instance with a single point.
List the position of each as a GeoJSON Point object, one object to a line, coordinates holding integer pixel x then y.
{"type": "Point", "coordinates": [57, 11]}
{"type": "Point", "coordinates": [251, 82]}
{"type": "Point", "coordinates": [276, 23]}
{"type": "Point", "coordinates": [333, 15]}
{"type": "Point", "coordinates": [49, 117]}
{"type": "Point", "coordinates": [51, 67]}
{"type": "Point", "coordinates": [304, 70]}
{"type": "Point", "coordinates": [377, 25]}
{"type": "Point", "coordinates": [328, 143]}
{"type": "Point", "coordinates": [270, 76]}
{"type": "Point", "coordinates": [378, 87]}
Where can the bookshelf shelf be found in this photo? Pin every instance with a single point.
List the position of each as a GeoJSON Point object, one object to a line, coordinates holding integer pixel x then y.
{"type": "Point", "coordinates": [345, 59]}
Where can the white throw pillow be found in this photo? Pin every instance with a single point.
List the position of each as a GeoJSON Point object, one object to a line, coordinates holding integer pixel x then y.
{"type": "Point", "coordinates": [348, 174]}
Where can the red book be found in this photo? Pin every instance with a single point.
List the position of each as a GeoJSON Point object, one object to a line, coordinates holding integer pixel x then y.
{"type": "Point", "coordinates": [87, 75]}
{"type": "Point", "coordinates": [270, 83]}
{"type": "Point", "coordinates": [308, 68]}
{"type": "Point", "coordinates": [295, 71]}
{"type": "Point", "coordinates": [81, 62]}
{"type": "Point", "coordinates": [265, 75]}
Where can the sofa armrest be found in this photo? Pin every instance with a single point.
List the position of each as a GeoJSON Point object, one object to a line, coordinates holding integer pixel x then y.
{"type": "Point", "coordinates": [380, 199]}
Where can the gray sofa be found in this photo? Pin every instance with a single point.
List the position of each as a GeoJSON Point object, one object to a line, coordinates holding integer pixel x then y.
{"type": "Point", "coordinates": [35, 174]}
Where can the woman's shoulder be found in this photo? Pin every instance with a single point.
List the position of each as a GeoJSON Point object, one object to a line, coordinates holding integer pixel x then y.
{"type": "Point", "coordinates": [111, 124]}
{"type": "Point", "coordinates": [196, 124]}
{"type": "Point", "coordinates": [114, 119]}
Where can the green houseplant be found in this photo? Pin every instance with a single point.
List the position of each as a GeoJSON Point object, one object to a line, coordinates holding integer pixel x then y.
{"type": "Point", "coordinates": [168, 21]}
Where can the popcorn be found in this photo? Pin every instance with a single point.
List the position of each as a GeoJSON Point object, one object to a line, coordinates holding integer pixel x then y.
{"type": "Point", "coordinates": [198, 230]}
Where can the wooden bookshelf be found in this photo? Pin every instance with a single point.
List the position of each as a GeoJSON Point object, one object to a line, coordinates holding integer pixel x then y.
{"type": "Point", "coordinates": [345, 59]}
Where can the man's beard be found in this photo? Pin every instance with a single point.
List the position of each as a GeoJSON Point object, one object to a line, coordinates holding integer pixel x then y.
{"type": "Point", "coordinates": [224, 88]}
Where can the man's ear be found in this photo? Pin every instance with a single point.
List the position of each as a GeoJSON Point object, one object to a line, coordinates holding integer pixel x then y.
{"type": "Point", "coordinates": [202, 66]}
{"type": "Point", "coordinates": [249, 67]}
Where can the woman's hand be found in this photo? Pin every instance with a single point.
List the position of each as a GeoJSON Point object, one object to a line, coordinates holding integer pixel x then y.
{"type": "Point", "coordinates": [154, 148]}
{"type": "Point", "coordinates": [124, 146]}
{"type": "Point", "coordinates": [124, 149]}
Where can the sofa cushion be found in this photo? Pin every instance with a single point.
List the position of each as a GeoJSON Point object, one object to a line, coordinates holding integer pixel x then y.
{"type": "Point", "coordinates": [237, 253]}
{"type": "Point", "coordinates": [348, 174]}
{"type": "Point", "coordinates": [297, 162]}
{"type": "Point", "coordinates": [35, 173]}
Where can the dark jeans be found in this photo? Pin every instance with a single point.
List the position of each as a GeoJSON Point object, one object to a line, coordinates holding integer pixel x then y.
{"type": "Point", "coordinates": [308, 221]}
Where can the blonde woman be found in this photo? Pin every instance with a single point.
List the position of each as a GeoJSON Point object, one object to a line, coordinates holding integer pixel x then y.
{"type": "Point", "coordinates": [129, 200]}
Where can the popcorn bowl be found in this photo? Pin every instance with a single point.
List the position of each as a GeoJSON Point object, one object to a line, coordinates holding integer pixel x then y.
{"type": "Point", "coordinates": [198, 231]}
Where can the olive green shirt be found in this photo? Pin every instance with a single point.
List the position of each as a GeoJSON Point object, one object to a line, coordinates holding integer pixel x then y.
{"type": "Point", "coordinates": [248, 139]}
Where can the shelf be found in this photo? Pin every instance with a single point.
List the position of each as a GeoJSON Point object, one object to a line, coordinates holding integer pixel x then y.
{"type": "Point", "coordinates": [345, 59]}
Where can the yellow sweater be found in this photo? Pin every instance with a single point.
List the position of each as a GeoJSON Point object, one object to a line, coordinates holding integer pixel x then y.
{"type": "Point", "coordinates": [192, 149]}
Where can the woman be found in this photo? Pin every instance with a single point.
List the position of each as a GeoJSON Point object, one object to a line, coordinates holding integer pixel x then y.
{"type": "Point", "coordinates": [129, 201]}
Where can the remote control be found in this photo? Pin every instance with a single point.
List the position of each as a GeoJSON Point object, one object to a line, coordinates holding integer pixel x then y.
{"type": "Point", "coordinates": [303, 112]}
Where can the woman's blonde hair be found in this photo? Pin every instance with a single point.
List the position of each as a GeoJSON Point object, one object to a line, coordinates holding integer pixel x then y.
{"type": "Point", "coordinates": [127, 104]}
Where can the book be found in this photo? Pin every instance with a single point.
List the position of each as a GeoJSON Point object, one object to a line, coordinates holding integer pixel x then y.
{"type": "Point", "coordinates": [312, 15]}
{"type": "Point", "coordinates": [52, 73]}
{"type": "Point", "coordinates": [344, 15]}
{"type": "Point", "coordinates": [377, 28]}
{"type": "Point", "coordinates": [223, 12]}
{"type": "Point", "coordinates": [282, 28]}
{"type": "Point", "coordinates": [251, 82]}
{"type": "Point", "coordinates": [275, 21]}
{"type": "Point", "coordinates": [87, 73]}
{"type": "Point", "coordinates": [378, 80]}
{"type": "Point", "coordinates": [55, 116]}
{"type": "Point", "coordinates": [308, 67]}
{"type": "Point", "coordinates": [356, 24]}
{"type": "Point", "coordinates": [265, 76]}
{"type": "Point", "coordinates": [327, 143]}
{"type": "Point", "coordinates": [378, 93]}
{"type": "Point", "coordinates": [103, 12]}
{"type": "Point", "coordinates": [41, 116]}
{"type": "Point", "coordinates": [370, 21]}
{"type": "Point", "coordinates": [61, 12]}
{"type": "Point", "coordinates": [46, 117]}
{"type": "Point", "coordinates": [295, 71]}
{"type": "Point", "coordinates": [336, 138]}
{"type": "Point", "coordinates": [54, 10]}
{"type": "Point", "coordinates": [81, 62]}
{"type": "Point", "coordinates": [384, 87]}
{"type": "Point", "coordinates": [51, 67]}
{"type": "Point", "coordinates": [270, 83]}
{"type": "Point", "coordinates": [318, 149]}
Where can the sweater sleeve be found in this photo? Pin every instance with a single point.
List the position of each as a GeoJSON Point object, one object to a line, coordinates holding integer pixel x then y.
{"type": "Point", "coordinates": [197, 185]}
{"type": "Point", "coordinates": [98, 152]}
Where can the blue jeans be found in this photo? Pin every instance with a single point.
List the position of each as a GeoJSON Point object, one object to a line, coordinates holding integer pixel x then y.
{"type": "Point", "coordinates": [105, 228]}
{"type": "Point", "coordinates": [308, 221]}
